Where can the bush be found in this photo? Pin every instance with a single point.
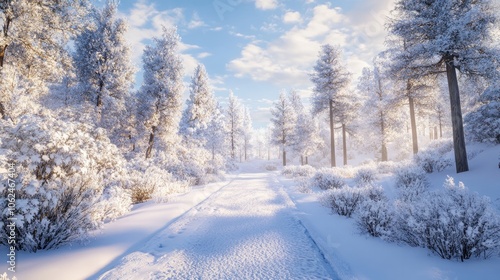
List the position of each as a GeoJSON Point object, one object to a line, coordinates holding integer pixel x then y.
{"type": "Point", "coordinates": [411, 182]}
{"type": "Point", "coordinates": [345, 201]}
{"type": "Point", "coordinates": [66, 171]}
{"type": "Point", "coordinates": [365, 176]}
{"type": "Point", "coordinates": [327, 178]}
{"type": "Point", "coordinates": [375, 218]}
{"type": "Point", "coordinates": [433, 158]}
{"type": "Point", "coordinates": [453, 223]}
{"type": "Point", "coordinates": [294, 171]}
{"type": "Point", "coordinates": [271, 167]}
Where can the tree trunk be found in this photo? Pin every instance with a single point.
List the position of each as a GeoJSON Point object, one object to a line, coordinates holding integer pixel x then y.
{"type": "Point", "coordinates": [233, 154]}
{"type": "Point", "coordinates": [3, 114]}
{"type": "Point", "coordinates": [302, 160]}
{"type": "Point", "coordinates": [332, 137]}
{"type": "Point", "coordinates": [414, 136]}
{"type": "Point", "coordinates": [440, 126]}
{"type": "Point", "coordinates": [344, 144]}
{"type": "Point", "coordinates": [382, 131]}
{"type": "Point", "coordinates": [151, 142]}
{"type": "Point", "coordinates": [461, 162]}
{"type": "Point", "coordinates": [307, 160]}
{"type": "Point", "coordinates": [284, 157]}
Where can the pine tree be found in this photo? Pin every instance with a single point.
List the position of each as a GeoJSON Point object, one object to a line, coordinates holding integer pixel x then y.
{"type": "Point", "coordinates": [330, 80]}
{"type": "Point", "coordinates": [33, 46]}
{"type": "Point", "coordinates": [103, 68]}
{"type": "Point", "coordinates": [216, 133]}
{"type": "Point", "coordinates": [234, 122]}
{"type": "Point", "coordinates": [160, 96]}
{"type": "Point", "coordinates": [200, 108]}
{"type": "Point", "coordinates": [247, 132]}
{"type": "Point", "coordinates": [449, 33]}
{"type": "Point", "coordinates": [283, 121]}
{"type": "Point", "coordinates": [483, 123]}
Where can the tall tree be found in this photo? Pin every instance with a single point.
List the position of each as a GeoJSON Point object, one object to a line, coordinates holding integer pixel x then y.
{"type": "Point", "coordinates": [160, 96]}
{"type": "Point", "coordinates": [200, 107]}
{"type": "Point", "coordinates": [452, 34]}
{"type": "Point", "coordinates": [330, 79]}
{"type": "Point", "coordinates": [247, 132]}
{"type": "Point", "coordinates": [283, 121]}
{"type": "Point", "coordinates": [216, 133]}
{"type": "Point", "coordinates": [103, 67]}
{"type": "Point", "coordinates": [234, 122]}
{"type": "Point", "coordinates": [33, 41]}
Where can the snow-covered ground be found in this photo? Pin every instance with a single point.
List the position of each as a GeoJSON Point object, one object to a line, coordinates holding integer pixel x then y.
{"type": "Point", "coordinates": [256, 225]}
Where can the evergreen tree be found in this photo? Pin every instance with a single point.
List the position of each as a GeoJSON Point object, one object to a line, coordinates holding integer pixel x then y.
{"type": "Point", "coordinates": [483, 123]}
{"type": "Point", "coordinates": [247, 133]}
{"type": "Point", "coordinates": [283, 121]}
{"type": "Point", "coordinates": [330, 79]}
{"type": "Point", "coordinates": [160, 96]}
{"type": "Point", "coordinates": [200, 108]}
{"type": "Point", "coordinates": [449, 33]}
{"type": "Point", "coordinates": [216, 133]}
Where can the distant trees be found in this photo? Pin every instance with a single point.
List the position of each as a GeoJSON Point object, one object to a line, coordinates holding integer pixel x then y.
{"type": "Point", "coordinates": [234, 123]}
{"type": "Point", "coordinates": [283, 123]}
{"type": "Point", "coordinates": [247, 133]}
{"type": "Point", "coordinates": [449, 33]}
{"type": "Point", "coordinates": [330, 79]}
{"type": "Point", "coordinates": [160, 96]}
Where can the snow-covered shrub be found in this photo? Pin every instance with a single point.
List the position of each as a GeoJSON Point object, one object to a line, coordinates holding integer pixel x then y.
{"type": "Point", "coordinates": [411, 182]}
{"type": "Point", "coordinates": [327, 178]}
{"type": "Point", "coordinates": [346, 200]}
{"type": "Point", "coordinates": [271, 167]}
{"type": "Point", "coordinates": [374, 217]}
{"type": "Point", "coordinates": [6, 277]}
{"type": "Point", "coordinates": [63, 169]}
{"type": "Point", "coordinates": [293, 171]}
{"type": "Point", "coordinates": [453, 223]}
{"type": "Point", "coordinates": [387, 167]}
{"type": "Point", "coordinates": [433, 158]}
{"type": "Point", "coordinates": [365, 176]}
{"type": "Point", "coordinates": [115, 202]}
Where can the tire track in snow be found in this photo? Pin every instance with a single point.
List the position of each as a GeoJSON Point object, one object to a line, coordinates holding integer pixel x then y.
{"type": "Point", "coordinates": [245, 230]}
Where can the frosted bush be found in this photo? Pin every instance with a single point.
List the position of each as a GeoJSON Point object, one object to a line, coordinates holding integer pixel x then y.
{"type": "Point", "coordinates": [304, 186]}
{"type": "Point", "coordinates": [453, 223]}
{"type": "Point", "coordinates": [64, 168]}
{"type": "Point", "coordinates": [294, 171]}
{"type": "Point", "coordinates": [433, 158]}
{"type": "Point", "coordinates": [374, 217]}
{"type": "Point", "coordinates": [327, 178]}
{"type": "Point", "coordinates": [411, 182]}
{"type": "Point", "coordinates": [387, 167]}
{"type": "Point", "coordinates": [346, 200]}
{"type": "Point", "coordinates": [271, 167]}
{"type": "Point", "coordinates": [114, 203]}
{"type": "Point", "coordinates": [365, 176]}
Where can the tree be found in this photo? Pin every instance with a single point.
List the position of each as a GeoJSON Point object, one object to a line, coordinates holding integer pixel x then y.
{"type": "Point", "coordinates": [483, 123]}
{"type": "Point", "coordinates": [305, 137]}
{"type": "Point", "coordinates": [216, 133]}
{"type": "Point", "coordinates": [379, 108]}
{"type": "Point", "coordinates": [160, 96]}
{"type": "Point", "coordinates": [450, 33]}
{"type": "Point", "coordinates": [33, 41]}
{"type": "Point", "coordinates": [247, 132]}
{"type": "Point", "coordinates": [330, 79]}
{"type": "Point", "coordinates": [200, 108]}
{"type": "Point", "coordinates": [234, 116]}
{"type": "Point", "coordinates": [283, 121]}
{"type": "Point", "coordinates": [103, 68]}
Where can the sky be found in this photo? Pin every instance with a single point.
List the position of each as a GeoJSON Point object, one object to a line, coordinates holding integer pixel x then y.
{"type": "Point", "coordinates": [258, 48]}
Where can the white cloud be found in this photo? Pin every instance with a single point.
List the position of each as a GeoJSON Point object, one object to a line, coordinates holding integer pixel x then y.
{"type": "Point", "coordinates": [204, 54]}
{"type": "Point", "coordinates": [196, 22]}
{"type": "Point", "coordinates": [292, 17]}
{"type": "Point", "coordinates": [266, 4]}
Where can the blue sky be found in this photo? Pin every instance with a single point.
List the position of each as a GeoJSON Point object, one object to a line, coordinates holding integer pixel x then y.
{"type": "Point", "coordinates": [256, 48]}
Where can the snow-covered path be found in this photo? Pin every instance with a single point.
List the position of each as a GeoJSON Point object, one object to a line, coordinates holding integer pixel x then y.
{"type": "Point", "coordinates": [246, 230]}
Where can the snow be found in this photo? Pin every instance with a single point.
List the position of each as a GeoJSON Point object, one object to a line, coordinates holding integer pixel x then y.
{"type": "Point", "coordinates": [258, 225]}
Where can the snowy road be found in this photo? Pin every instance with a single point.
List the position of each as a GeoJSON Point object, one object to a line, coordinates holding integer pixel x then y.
{"type": "Point", "coordinates": [246, 230]}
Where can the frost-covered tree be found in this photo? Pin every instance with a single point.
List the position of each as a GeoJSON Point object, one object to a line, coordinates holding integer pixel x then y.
{"type": "Point", "coordinates": [103, 68]}
{"type": "Point", "coordinates": [234, 122]}
{"type": "Point", "coordinates": [33, 49]}
{"type": "Point", "coordinates": [247, 132]}
{"type": "Point", "coordinates": [160, 96]}
{"type": "Point", "coordinates": [216, 133]}
{"type": "Point", "coordinates": [330, 79]}
{"type": "Point", "coordinates": [379, 109]}
{"type": "Point", "coordinates": [483, 123]}
{"type": "Point", "coordinates": [283, 121]}
{"type": "Point", "coordinates": [200, 108]}
{"type": "Point", "coordinates": [451, 34]}
{"type": "Point", "coordinates": [305, 137]}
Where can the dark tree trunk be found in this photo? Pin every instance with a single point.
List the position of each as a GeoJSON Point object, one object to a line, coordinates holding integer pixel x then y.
{"type": "Point", "coordinates": [3, 114]}
{"type": "Point", "coordinates": [332, 137]}
{"type": "Point", "coordinates": [413, 121]}
{"type": "Point", "coordinates": [461, 162]}
{"type": "Point", "coordinates": [301, 160]}
{"type": "Point", "coordinates": [284, 157]}
{"type": "Point", "coordinates": [151, 142]}
{"type": "Point", "coordinates": [307, 160]}
{"type": "Point", "coordinates": [344, 144]}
